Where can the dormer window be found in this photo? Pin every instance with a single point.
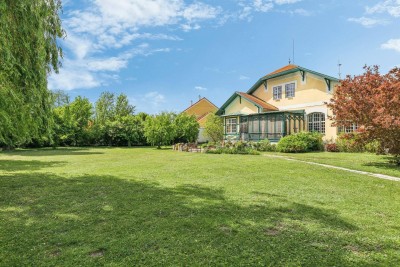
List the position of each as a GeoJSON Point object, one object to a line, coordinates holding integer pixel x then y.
{"type": "Point", "coordinates": [277, 91]}
{"type": "Point", "coordinates": [290, 90]}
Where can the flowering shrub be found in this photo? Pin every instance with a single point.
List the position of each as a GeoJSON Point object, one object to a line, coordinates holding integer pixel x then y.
{"type": "Point", "coordinates": [331, 148]}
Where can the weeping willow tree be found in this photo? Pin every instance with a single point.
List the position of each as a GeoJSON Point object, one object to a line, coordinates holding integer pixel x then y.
{"type": "Point", "coordinates": [29, 52]}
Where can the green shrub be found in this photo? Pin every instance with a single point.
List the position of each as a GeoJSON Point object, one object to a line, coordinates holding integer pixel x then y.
{"type": "Point", "coordinates": [357, 142]}
{"type": "Point", "coordinates": [301, 142]}
{"type": "Point", "coordinates": [264, 146]}
{"type": "Point", "coordinates": [373, 147]}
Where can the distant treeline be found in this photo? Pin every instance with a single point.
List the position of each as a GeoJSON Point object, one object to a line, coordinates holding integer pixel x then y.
{"type": "Point", "coordinates": [111, 121]}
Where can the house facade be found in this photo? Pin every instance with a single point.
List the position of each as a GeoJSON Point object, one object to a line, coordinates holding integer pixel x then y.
{"type": "Point", "coordinates": [288, 100]}
{"type": "Point", "coordinates": [201, 109]}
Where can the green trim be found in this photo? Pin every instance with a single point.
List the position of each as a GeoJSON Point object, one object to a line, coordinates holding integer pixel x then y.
{"type": "Point", "coordinates": [221, 111]}
{"type": "Point", "coordinates": [298, 68]}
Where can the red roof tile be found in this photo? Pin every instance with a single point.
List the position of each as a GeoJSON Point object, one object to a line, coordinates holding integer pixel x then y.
{"type": "Point", "coordinates": [287, 67]}
{"type": "Point", "coordinates": [258, 101]}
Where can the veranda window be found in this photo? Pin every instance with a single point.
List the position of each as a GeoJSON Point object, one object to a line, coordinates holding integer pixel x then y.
{"type": "Point", "coordinates": [231, 126]}
{"type": "Point", "coordinates": [316, 122]}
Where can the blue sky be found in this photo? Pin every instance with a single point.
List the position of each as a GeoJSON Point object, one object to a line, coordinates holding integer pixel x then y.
{"type": "Point", "coordinates": [165, 53]}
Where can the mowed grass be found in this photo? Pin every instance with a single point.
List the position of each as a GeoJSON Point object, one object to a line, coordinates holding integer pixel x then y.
{"type": "Point", "coordinates": [148, 207]}
{"type": "Point", "coordinates": [357, 161]}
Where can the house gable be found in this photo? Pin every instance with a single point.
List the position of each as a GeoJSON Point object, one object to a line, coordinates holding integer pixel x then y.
{"type": "Point", "coordinates": [311, 88]}
{"type": "Point", "coordinates": [201, 108]}
{"type": "Point", "coordinates": [242, 103]}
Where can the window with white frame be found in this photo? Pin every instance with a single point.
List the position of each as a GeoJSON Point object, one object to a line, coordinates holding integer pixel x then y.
{"type": "Point", "coordinates": [290, 89]}
{"type": "Point", "coordinates": [277, 91]}
{"type": "Point", "coordinates": [348, 129]}
{"type": "Point", "coordinates": [316, 122]}
{"type": "Point", "coordinates": [231, 125]}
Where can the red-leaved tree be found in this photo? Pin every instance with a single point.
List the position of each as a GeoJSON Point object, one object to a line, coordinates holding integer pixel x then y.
{"type": "Point", "coordinates": [372, 100]}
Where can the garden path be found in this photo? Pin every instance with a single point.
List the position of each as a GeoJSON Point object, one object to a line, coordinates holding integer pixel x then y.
{"type": "Point", "coordinates": [376, 175]}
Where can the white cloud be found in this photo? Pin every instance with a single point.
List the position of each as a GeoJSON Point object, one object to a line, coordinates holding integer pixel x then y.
{"type": "Point", "coordinates": [262, 6]}
{"type": "Point", "coordinates": [301, 12]}
{"type": "Point", "coordinates": [243, 77]}
{"type": "Point", "coordinates": [283, 2]}
{"type": "Point", "coordinates": [190, 27]}
{"type": "Point", "coordinates": [368, 22]}
{"type": "Point", "coordinates": [70, 79]}
{"type": "Point", "coordinates": [96, 32]}
{"type": "Point", "coordinates": [200, 88]}
{"type": "Point", "coordinates": [154, 98]}
{"type": "Point", "coordinates": [392, 44]}
{"type": "Point", "coordinates": [108, 64]}
{"type": "Point", "coordinates": [90, 72]}
{"type": "Point", "coordinates": [249, 7]}
{"type": "Point", "coordinates": [392, 7]}
{"type": "Point", "coordinates": [200, 11]}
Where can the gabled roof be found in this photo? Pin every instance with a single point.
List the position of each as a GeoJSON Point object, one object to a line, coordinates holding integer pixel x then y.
{"type": "Point", "coordinates": [253, 99]}
{"type": "Point", "coordinates": [291, 68]}
{"type": "Point", "coordinates": [201, 99]}
{"type": "Point", "coordinates": [257, 101]}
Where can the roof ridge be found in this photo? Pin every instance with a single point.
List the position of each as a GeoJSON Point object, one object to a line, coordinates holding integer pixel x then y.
{"type": "Point", "coordinates": [195, 103]}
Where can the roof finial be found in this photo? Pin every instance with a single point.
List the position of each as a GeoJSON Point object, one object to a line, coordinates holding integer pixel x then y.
{"type": "Point", "coordinates": [340, 69]}
{"type": "Point", "coordinates": [290, 61]}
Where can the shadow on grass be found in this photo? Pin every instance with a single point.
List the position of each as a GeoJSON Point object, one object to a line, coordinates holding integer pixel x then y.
{"type": "Point", "coordinates": [60, 151]}
{"type": "Point", "coordinates": [96, 220]}
{"type": "Point", "coordinates": [26, 165]}
{"type": "Point", "coordinates": [388, 164]}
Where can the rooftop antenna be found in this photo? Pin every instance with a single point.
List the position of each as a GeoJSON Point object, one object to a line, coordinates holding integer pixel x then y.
{"type": "Point", "coordinates": [340, 69]}
{"type": "Point", "coordinates": [290, 61]}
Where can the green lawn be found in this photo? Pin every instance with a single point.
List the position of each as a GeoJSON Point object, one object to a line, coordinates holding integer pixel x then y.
{"type": "Point", "coordinates": [357, 161]}
{"type": "Point", "coordinates": [141, 206]}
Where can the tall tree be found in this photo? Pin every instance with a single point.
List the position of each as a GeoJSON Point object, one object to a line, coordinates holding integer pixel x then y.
{"type": "Point", "coordinates": [105, 108]}
{"type": "Point", "coordinates": [28, 52]}
{"type": "Point", "coordinates": [160, 129]}
{"type": "Point", "coordinates": [371, 100]}
{"type": "Point", "coordinates": [81, 113]}
{"type": "Point", "coordinates": [187, 128]}
{"type": "Point", "coordinates": [122, 107]}
{"type": "Point", "coordinates": [214, 128]}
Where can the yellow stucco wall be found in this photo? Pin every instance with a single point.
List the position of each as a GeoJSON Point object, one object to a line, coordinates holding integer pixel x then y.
{"type": "Point", "coordinates": [203, 120]}
{"type": "Point", "coordinates": [242, 106]}
{"type": "Point", "coordinates": [310, 95]}
{"type": "Point", "coordinates": [200, 108]}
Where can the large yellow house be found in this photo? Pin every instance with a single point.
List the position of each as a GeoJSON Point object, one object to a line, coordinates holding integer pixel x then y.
{"type": "Point", "coordinates": [201, 109]}
{"type": "Point", "coordinates": [286, 101]}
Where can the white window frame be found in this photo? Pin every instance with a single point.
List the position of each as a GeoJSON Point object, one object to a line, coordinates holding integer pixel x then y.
{"type": "Point", "coordinates": [277, 92]}
{"type": "Point", "coordinates": [348, 129]}
{"type": "Point", "coordinates": [230, 126]}
{"type": "Point", "coordinates": [294, 90]}
{"type": "Point", "coordinates": [316, 124]}
{"type": "Point", "coordinates": [283, 90]}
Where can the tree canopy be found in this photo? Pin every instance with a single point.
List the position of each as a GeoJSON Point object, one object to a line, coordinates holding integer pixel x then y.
{"type": "Point", "coordinates": [29, 52]}
{"type": "Point", "coordinates": [372, 100]}
{"type": "Point", "coordinates": [214, 128]}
